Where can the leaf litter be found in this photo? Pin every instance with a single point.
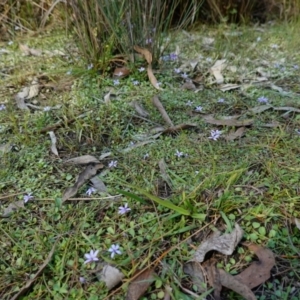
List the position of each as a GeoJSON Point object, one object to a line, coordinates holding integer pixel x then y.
{"type": "Point", "coordinates": [200, 269]}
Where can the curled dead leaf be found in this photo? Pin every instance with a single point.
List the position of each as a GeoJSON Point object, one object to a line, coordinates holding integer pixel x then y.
{"type": "Point", "coordinates": [82, 160]}
{"type": "Point", "coordinates": [152, 78]}
{"type": "Point", "coordinates": [225, 243]}
{"type": "Point", "coordinates": [84, 176]}
{"type": "Point", "coordinates": [145, 52]}
{"type": "Point", "coordinates": [259, 271]}
{"type": "Point", "coordinates": [235, 134]}
{"type": "Point", "coordinates": [53, 143]}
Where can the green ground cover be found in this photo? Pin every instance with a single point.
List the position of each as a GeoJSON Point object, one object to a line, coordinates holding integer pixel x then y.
{"type": "Point", "coordinates": [251, 178]}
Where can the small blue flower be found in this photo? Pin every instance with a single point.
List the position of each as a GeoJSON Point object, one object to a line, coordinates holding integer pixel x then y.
{"type": "Point", "coordinates": [114, 249]}
{"type": "Point", "coordinates": [90, 191]}
{"type": "Point", "coordinates": [189, 103]}
{"type": "Point", "coordinates": [116, 82]}
{"type": "Point", "coordinates": [296, 67]}
{"type": "Point", "coordinates": [184, 75]}
{"type": "Point", "coordinates": [221, 100]}
{"type": "Point", "coordinates": [47, 108]}
{"type": "Point", "coordinates": [148, 41]}
{"type": "Point", "coordinates": [177, 71]}
{"type": "Point", "coordinates": [173, 56]}
{"type": "Point", "coordinates": [90, 66]}
{"type": "Point", "coordinates": [135, 82]}
{"type": "Point", "coordinates": [82, 280]}
{"type": "Point", "coordinates": [215, 134]}
{"type": "Point", "coordinates": [263, 99]}
{"type": "Point", "coordinates": [141, 69]}
{"type": "Point", "coordinates": [113, 164]}
{"type": "Point", "coordinates": [92, 256]}
{"type": "Point", "coordinates": [199, 108]}
{"type": "Point", "coordinates": [2, 107]}
{"type": "Point", "coordinates": [124, 209]}
{"type": "Point", "coordinates": [179, 154]}
{"type": "Point", "coordinates": [27, 197]}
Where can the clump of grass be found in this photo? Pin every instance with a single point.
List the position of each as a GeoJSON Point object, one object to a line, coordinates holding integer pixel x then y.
{"type": "Point", "coordinates": [115, 27]}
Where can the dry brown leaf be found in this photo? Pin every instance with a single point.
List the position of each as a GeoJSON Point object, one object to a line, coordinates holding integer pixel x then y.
{"type": "Point", "coordinates": [229, 86]}
{"type": "Point", "coordinates": [163, 170]}
{"type": "Point", "coordinates": [82, 160]}
{"type": "Point", "coordinates": [229, 122]}
{"type": "Point", "coordinates": [259, 109]}
{"type": "Point", "coordinates": [179, 127]}
{"type": "Point", "coordinates": [84, 176]}
{"type": "Point", "coordinates": [259, 271]}
{"type": "Point", "coordinates": [33, 89]}
{"type": "Point", "coordinates": [195, 270]}
{"type": "Point", "coordinates": [213, 277]}
{"type": "Point", "coordinates": [5, 148]}
{"type": "Point", "coordinates": [121, 72]}
{"type": "Point", "coordinates": [30, 282]}
{"type": "Point", "coordinates": [162, 111]}
{"type": "Point", "coordinates": [145, 52]}
{"type": "Point", "coordinates": [140, 284]}
{"type": "Point", "coordinates": [111, 276]}
{"type": "Point", "coordinates": [235, 134]}
{"type": "Point", "coordinates": [140, 109]}
{"type": "Point", "coordinates": [98, 184]}
{"type": "Point", "coordinates": [53, 143]}
{"type": "Point", "coordinates": [232, 283]}
{"type": "Point", "coordinates": [188, 86]}
{"type": "Point", "coordinates": [225, 243]}
{"type": "Point", "coordinates": [152, 78]}
{"type": "Point", "coordinates": [297, 223]}
{"type": "Point", "coordinates": [12, 207]}
{"type": "Point", "coordinates": [107, 97]}
{"type": "Point", "coordinates": [217, 69]}
{"type": "Point", "coordinates": [29, 51]}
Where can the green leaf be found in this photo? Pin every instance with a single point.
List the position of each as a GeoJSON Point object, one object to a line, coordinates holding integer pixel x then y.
{"type": "Point", "coordinates": [200, 217]}
{"type": "Point", "coordinates": [161, 202]}
{"type": "Point", "coordinates": [131, 195]}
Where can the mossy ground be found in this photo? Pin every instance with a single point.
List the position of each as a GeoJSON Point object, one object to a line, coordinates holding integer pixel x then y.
{"type": "Point", "coordinates": [253, 180]}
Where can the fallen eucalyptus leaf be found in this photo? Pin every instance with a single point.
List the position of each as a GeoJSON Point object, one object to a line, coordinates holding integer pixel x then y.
{"type": "Point", "coordinates": [140, 109]}
{"type": "Point", "coordinates": [12, 207]}
{"type": "Point", "coordinates": [98, 184]}
{"type": "Point", "coordinates": [229, 86]}
{"type": "Point", "coordinates": [140, 284]}
{"type": "Point", "coordinates": [235, 134]}
{"type": "Point", "coordinates": [82, 160]}
{"type": "Point", "coordinates": [53, 143]}
{"type": "Point", "coordinates": [259, 109]}
{"type": "Point", "coordinates": [84, 176]}
{"type": "Point", "coordinates": [259, 271]}
{"type": "Point", "coordinates": [217, 69]}
{"type": "Point", "coordinates": [227, 122]}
